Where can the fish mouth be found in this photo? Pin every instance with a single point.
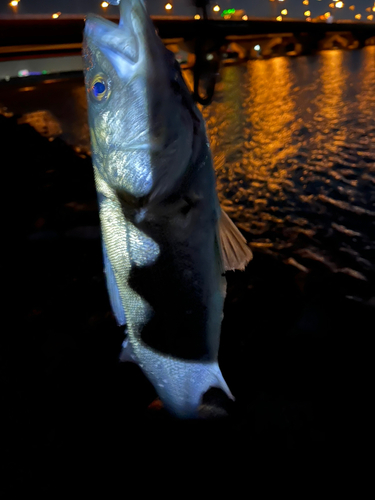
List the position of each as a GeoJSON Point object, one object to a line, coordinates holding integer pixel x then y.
{"type": "Point", "coordinates": [121, 39]}
{"type": "Point", "coordinates": [111, 37]}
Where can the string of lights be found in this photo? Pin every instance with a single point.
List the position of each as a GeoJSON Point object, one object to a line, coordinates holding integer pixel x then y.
{"type": "Point", "coordinates": [317, 10]}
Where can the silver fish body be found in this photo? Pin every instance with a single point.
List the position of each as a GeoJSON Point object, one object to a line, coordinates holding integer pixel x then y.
{"type": "Point", "coordinates": [158, 206]}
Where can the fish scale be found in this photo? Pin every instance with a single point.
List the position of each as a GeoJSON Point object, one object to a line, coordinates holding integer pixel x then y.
{"type": "Point", "coordinates": [127, 246]}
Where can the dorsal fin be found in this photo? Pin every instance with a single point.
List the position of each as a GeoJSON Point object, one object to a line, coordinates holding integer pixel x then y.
{"type": "Point", "coordinates": [236, 253]}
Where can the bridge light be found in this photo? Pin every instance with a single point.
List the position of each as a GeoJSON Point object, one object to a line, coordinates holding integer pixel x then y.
{"type": "Point", "coordinates": [284, 12]}
{"type": "Point", "coordinates": [197, 16]}
{"type": "Point", "coordinates": [352, 7]}
{"type": "Point", "coordinates": [305, 2]}
{"type": "Point", "coordinates": [104, 5]}
{"type": "Point", "coordinates": [14, 3]}
{"type": "Point", "coordinates": [358, 16]}
{"type": "Point", "coordinates": [368, 9]}
{"type": "Point", "coordinates": [257, 47]}
{"type": "Point", "coordinates": [339, 5]}
{"type": "Point", "coordinates": [56, 15]}
{"type": "Point", "coordinates": [245, 18]}
{"type": "Point", "coordinates": [168, 6]}
{"type": "Point", "coordinates": [370, 17]}
{"type": "Point", "coordinates": [327, 15]}
{"type": "Point", "coordinates": [216, 8]}
{"type": "Point", "coordinates": [279, 18]}
{"type": "Point", "coordinates": [308, 19]}
{"type": "Point", "coordinates": [332, 5]}
{"type": "Point", "coordinates": [307, 13]}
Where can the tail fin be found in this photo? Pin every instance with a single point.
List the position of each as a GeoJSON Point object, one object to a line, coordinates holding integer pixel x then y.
{"type": "Point", "coordinates": [181, 384]}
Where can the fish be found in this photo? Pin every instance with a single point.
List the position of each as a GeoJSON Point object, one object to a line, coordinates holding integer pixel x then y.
{"type": "Point", "coordinates": [166, 242]}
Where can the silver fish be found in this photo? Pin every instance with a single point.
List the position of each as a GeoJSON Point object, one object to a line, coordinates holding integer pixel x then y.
{"type": "Point", "coordinates": [165, 238]}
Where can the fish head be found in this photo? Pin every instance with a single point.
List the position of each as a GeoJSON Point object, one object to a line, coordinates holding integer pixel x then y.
{"type": "Point", "coordinates": [143, 121]}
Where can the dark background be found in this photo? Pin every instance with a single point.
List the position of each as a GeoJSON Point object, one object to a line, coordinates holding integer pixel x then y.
{"type": "Point", "coordinates": [298, 360]}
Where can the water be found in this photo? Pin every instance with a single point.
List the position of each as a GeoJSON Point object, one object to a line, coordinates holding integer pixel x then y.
{"type": "Point", "coordinates": [294, 141]}
{"type": "Point", "coordinates": [294, 147]}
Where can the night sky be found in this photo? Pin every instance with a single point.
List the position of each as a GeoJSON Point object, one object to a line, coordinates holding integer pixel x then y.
{"type": "Point", "coordinates": [262, 8]}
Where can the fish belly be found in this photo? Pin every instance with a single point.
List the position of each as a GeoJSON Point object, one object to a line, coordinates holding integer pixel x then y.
{"type": "Point", "coordinates": [180, 383]}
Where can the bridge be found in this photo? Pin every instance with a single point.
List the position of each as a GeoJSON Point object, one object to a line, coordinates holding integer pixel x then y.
{"type": "Point", "coordinates": [205, 43]}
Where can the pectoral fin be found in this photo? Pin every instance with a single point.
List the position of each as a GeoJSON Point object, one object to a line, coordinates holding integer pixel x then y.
{"type": "Point", "coordinates": [236, 254]}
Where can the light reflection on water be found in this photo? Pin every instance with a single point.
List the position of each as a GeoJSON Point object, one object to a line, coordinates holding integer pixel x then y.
{"type": "Point", "coordinates": [270, 108]}
{"type": "Point", "coordinates": [293, 141]}
{"type": "Point", "coordinates": [330, 115]}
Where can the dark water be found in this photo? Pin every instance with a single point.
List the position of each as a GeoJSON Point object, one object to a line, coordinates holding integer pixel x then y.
{"type": "Point", "coordinates": [294, 147]}
{"type": "Point", "coordinates": [296, 140]}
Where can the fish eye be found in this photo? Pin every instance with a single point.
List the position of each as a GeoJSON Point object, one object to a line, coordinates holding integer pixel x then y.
{"type": "Point", "coordinates": [100, 88]}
